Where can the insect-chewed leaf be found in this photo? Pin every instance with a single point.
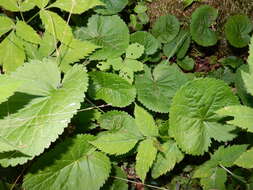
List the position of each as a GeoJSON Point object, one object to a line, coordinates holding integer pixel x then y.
{"type": "Point", "coordinates": [6, 24]}
{"type": "Point", "coordinates": [58, 27]}
{"type": "Point", "coordinates": [109, 32]}
{"type": "Point", "coordinates": [145, 158]}
{"type": "Point", "coordinates": [167, 159]}
{"type": "Point", "coordinates": [43, 119]}
{"type": "Point", "coordinates": [112, 89]}
{"type": "Point", "coordinates": [70, 165]}
{"type": "Point", "coordinates": [76, 6]}
{"type": "Point", "coordinates": [155, 91]}
{"type": "Point", "coordinates": [202, 18]}
{"type": "Point", "coordinates": [193, 121]}
{"type": "Point", "coordinates": [134, 51]}
{"type": "Point", "coordinates": [11, 45]}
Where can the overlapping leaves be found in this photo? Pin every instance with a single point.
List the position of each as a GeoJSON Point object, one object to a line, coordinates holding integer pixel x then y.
{"type": "Point", "coordinates": [34, 127]}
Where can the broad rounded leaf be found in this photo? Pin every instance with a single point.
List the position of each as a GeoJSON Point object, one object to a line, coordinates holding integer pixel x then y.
{"type": "Point", "coordinates": [166, 160]}
{"type": "Point", "coordinates": [166, 28]}
{"type": "Point", "coordinates": [237, 30]}
{"type": "Point", "coordinates": [145, 158]}
{"type": "Point", "coordinates": [112, 89]}
{"type": "Point", "coordinates": [17, 5]}
{"type": "Point", "coordinates": [27, 33]}
{"type": "Point", "coordinates": [150, 43]}
{"type": "Point", "coordinates": [201, 21]}
{"type": "Point", "coordinates": [70, 165]}
{"type": "Point", "coordinates": [111, 7]}
{"type": "Point", "coordinates": [193, 121]}
{"type": "Point", "coordinates": [76, 6]}
{"type": "Point", "coordinates": [43, 119]}
{"type": "Point", "coordinates": [55, 25]}
{"type": "Point", "coordinates": [109, 32]}
{"type": "Point", "coordinates": [6, 24]}
{"type": "Point", "coordinates": [156, 90]}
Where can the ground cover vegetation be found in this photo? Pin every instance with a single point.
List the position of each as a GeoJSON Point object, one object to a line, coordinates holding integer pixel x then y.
{"type": "Point", "coordinates": [117, 95]}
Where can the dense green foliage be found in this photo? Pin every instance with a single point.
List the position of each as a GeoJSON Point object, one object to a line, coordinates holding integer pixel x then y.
{"type": "Point", "coordinates": [93, 97]}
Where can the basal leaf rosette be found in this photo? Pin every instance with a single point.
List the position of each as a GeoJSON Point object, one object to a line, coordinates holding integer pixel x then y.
{"type": "Point", "coordinates": [39, 123]}
{"type": "Point", "coordinates": [193, 121]}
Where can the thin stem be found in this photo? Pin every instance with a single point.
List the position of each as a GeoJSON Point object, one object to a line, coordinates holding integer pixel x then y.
{"type": "Point", "coordinates": [232, 174]}
{"type": "Point", "coordinates": [32, 17]}
{"type": "Point", "coordinates": [139, 183]}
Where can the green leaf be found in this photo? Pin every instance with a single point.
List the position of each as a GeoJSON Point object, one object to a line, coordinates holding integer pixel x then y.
{"type": "Point", "coordinates": [245, 97]}
{"type": "Point", "coordinates": [76, 6]}
{"type": "Point", "coordinates": [166, 28]}
{"type": "Point", "coordinates": [123, 136]}
{"type": "Point", "coordinates": [55, 25]}
{"type": "Point", "coordinates": [167, 159]}
{"type": "Point", "coordinates": [116, 120]}
{"type": "Point", "coordinates": [17, 5]}
{"type": "Point", "coordinates": [47, 45]}
{"type": "Point", "coordinates": [242, 116]}
{"type": "Point", "coordinates": [112, 89]}
{"type": "Point", "coordinates": [27, 33]}
{"type": "Point", "coordinates": [111, 7]}
{"type": "Point", "coordinates": [43, 119]}
{"type": "Point", "coordinates": [187, 63]}
{"type": "Point", "coordinates": [134, 51]}
{"type": "Point", "coordinates": [41, 3]}
{"type": "Point", "coordinates": [73, 164]}
{"type": "Point", "coordinates": [11, 45]}
{"type": "Point", "coordinates": [145, 122]}
{"type": "Point", "coordinates": [116, 143]}
{"type": "Point", "coordinates": [245, 159]}
{"type": "Point", "coordinates": [119, 182]}
{"type": "Point", "coordinates": [237, 30]}
{"type": "Point", "coordinates": [145, 158]}
{"type": "Point", "coordinates": [6, 25]}
{"type": "Point", "coordinates": [155, 91]}
{"type": "Point", "coordinates": [193, 121]}
{"type": "Point", "coordinates": [171, 48]}
{"type": "Point", "coordinates": [216, 180]}
{"type": "Point", "coordinates": [223, 156]}
{"type": "Point", "coordinates": [8, 87]}
{"type": "Point", "coordinates": [202, 19]}
{"type": "Point", "coordinates": [150, 43]}
{"type": "Point", "coordinates": [109, 32]}
{"type": "Point", "coordinates": [73, 52]}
